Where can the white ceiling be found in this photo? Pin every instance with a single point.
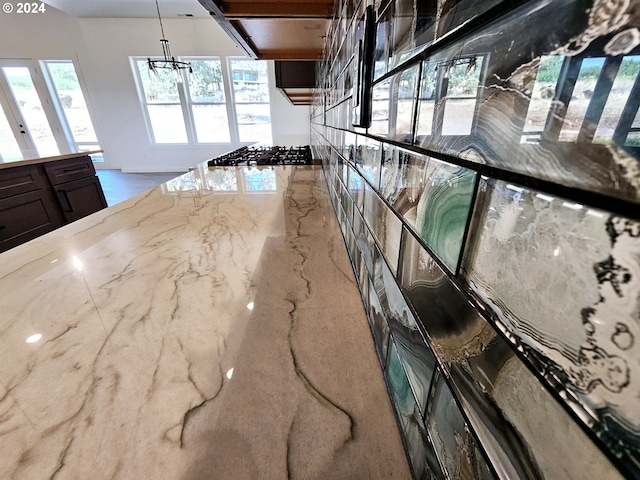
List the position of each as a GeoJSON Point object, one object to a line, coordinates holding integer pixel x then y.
{"type": "Point", "coordinates": [129, 8]}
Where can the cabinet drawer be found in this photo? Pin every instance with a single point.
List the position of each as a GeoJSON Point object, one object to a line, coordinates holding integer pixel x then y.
{"type": "Point", "coordinates": [62, 171]}
{"type": "Point", "coordinates": [27, 216]}
{"type": "Point", "coordinates": [17, 180]}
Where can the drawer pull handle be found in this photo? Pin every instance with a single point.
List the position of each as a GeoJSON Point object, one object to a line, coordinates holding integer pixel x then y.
{"type": "Point", "coordinates": [62, 194]}
{"type": "Point", "coordinates": [74, 170]}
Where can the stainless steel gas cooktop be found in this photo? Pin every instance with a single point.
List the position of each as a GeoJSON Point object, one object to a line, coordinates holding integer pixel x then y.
{"type": "Point", "coordinates": [265, 156]}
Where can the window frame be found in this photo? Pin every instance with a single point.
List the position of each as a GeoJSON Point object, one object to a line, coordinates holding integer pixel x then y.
{"type": "Point", "coordinates": [75, 145]}
{"type": "Point", "coordinates": [186, 103]}
{"type": "Point", "coordinates": [235, 102]}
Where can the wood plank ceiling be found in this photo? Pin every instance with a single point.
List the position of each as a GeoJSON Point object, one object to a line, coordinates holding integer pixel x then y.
{"type": "Point", "coordinates": [280, 30]}
{"type": "Point", "coordinates": [275, 29]}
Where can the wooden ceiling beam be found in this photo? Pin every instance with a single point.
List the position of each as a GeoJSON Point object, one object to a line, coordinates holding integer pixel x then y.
{"type": "Point", "coordinates": [238, 36]}
{"type": "Point", "coordinates": [237, 10]}
{"type": "Point", "coordinates": [289, 54]}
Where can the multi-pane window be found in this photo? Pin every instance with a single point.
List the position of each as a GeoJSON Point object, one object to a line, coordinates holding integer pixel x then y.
{"type": "Point", "coordinates": [192, 107]}
{"type": "Point", "coordinates": [163, 104]}
{"type": "Point", "coordinates": [251, 96]}
{"type": "Point", "coordinates": [207, 101]}
{"type": "Point", "coordinates": [73, 107]}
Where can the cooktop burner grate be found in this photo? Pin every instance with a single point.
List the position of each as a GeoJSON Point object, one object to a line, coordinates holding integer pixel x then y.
{"type": "Point", "coordinates": [265, 156]}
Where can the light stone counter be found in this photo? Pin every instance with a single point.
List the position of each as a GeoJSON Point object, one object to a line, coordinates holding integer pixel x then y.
{"type": "Point", "coordinates": [189, 333]}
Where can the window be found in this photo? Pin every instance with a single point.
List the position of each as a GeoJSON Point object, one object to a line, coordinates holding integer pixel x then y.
{"type": "Point", "coordinates": [72, 107]}
{"type": "Point", "coordinates": [163, 104]}
{"type": "Point", "coordinates": [194, 108]}
{"type": "Point", "coordinates": [207, 100]}
{"type": "Point", "coordinates": [251, 98]}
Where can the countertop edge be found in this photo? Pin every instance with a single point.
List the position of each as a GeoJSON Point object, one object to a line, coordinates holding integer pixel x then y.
{"type": "Point", "coordinates": [35, 161]}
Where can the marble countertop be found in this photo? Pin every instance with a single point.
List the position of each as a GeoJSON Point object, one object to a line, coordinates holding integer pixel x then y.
{"type": "Point", "coordinates": [208, 328]}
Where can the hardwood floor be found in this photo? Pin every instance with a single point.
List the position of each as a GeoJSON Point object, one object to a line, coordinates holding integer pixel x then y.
{"type": "Point", "coordinates": [118, 186]}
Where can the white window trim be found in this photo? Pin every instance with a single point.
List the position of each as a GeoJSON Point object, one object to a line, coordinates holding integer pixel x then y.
{"type": "Point", "coordinates": [186, 103]}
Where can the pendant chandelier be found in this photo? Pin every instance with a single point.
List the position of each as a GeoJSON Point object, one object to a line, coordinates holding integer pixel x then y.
{"type": "Point", "coordinates": [167, 62]}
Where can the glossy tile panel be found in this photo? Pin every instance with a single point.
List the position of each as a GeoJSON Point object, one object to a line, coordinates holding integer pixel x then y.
{"type": "Point", "coordinates": [364, 240]}
{"type": "Point", "coordinates": [385, 226]}
{"type": "Point", "coordinates": [455, 447]}
{"type": "Point", "coordinates": [412, 25]}
{"type": "Point", "coordinates": [571, 293]}
{"type": "Point", "coordinates": [349, 147]}
{"type": "Point", "coordinates": [401, 108]}
{"type": "Point", "coordinates": [382, 93]}
{"type": "Point", "coordinates": [403, 179]}
{"type": "Point", "coordinates": [421, 454]}
{"type": "Point", "coordinates": [379, 326]}
{"type": "Point", "coordinates": [557, 104]}
{"type": "Point", "coordinates": [443, 209]}
{"type": "Point", "coordinates": [523, 429]}
{"type": "Point", "coordinates": [368, 158]}
{"type": "Point", "coordinates": [416, 357]}
{"type": "Point", "coordinates": [355, 184]}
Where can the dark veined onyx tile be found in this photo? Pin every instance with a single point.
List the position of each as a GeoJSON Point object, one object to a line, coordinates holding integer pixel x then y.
{"type": "Point", "coordinates": [368, 157]}
{"type": "Point", "coordinates": [379, 326]}
{"type": "Point", "coordinates": [412, 25]}
{"type": "Point", "coordinates": [570, 293]}
{"type": "Point", "coordinates": [542, 104]}
{"type": "Point", "coordinates": [421, 455]}
{"type": "Point", "coordinates": [443, 209]}
{"type": "Point", "coordinates": [355, 184]}
{"type": "Point", "coordinates": [385, 226]}
{"type": "Point", "coordinates": [454, 445]}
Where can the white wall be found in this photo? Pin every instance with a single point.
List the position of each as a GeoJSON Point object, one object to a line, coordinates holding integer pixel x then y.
{"type": "Point", "coordinates": [101, 48]}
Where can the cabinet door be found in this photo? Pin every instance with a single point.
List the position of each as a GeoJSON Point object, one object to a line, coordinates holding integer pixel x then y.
{"type": "Point", "coordinates": [27, 216]}
{"type": "Point", "coordinates": [80, 198]}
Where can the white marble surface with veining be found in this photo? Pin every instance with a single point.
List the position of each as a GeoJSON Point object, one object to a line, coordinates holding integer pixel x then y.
{"type": "Point", "coordinates": [189, 333]}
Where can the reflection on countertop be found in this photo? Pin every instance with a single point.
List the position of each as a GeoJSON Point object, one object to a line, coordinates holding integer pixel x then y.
{"type": "Point", "coordinates": [209, 326]}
